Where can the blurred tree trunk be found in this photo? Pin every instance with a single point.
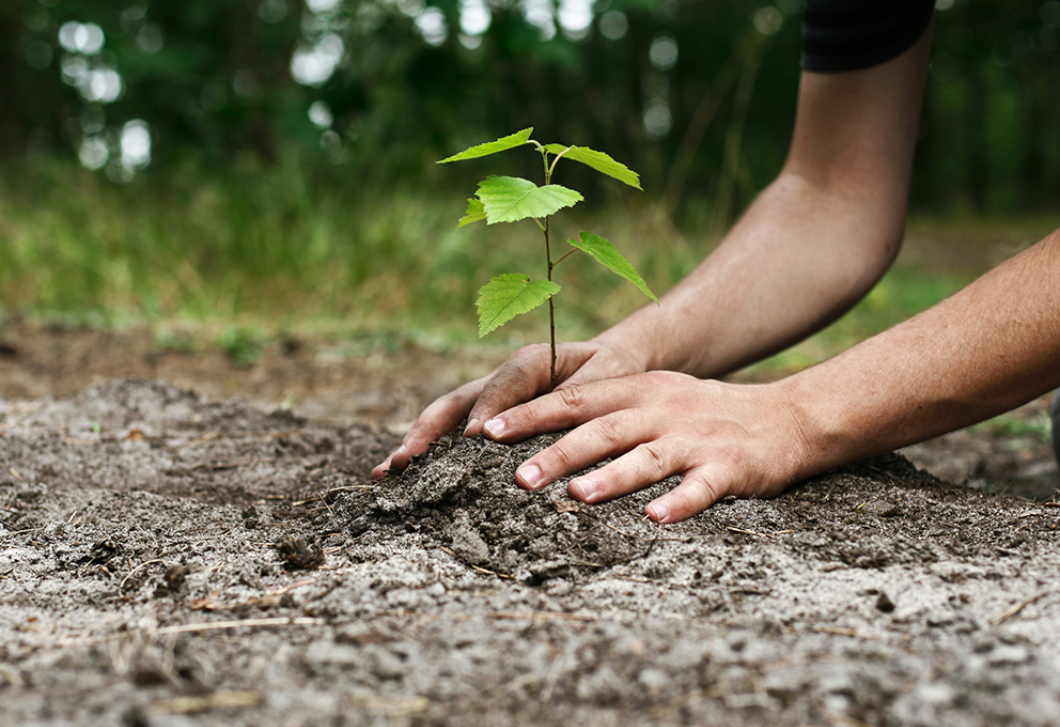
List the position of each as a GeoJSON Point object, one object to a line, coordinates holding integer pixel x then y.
{"type": "Point", "coordinates": [12, 99]}
{"type": "Point", "coordinates": [978, 171]}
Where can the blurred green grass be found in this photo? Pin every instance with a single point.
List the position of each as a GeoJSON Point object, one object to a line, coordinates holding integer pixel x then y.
{"type": "Point", "coordinates": [260, 253]}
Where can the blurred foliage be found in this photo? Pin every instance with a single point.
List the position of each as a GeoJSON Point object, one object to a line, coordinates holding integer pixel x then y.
{"type": "Point", "coordinates": [696, 95]}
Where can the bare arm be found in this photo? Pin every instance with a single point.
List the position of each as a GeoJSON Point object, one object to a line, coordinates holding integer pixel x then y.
{"type": "Point", "coordinates": [812, 244]}
{"type": "Point", "coordinates": [989, 348]}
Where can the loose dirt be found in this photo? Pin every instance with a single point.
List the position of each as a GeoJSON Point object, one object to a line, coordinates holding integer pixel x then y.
{"type": "Point", "coordinates": [173, 558]}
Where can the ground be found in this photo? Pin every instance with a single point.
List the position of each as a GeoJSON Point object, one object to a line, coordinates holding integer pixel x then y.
{"type": "Point", "coordinates": [186, 542]}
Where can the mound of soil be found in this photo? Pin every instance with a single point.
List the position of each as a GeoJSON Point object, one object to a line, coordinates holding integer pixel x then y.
{"type": "Point", "coordinates": [165, 560]}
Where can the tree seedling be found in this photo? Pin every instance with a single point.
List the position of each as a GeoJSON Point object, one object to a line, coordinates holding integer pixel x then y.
{"type": "Point", "coordinates": [509, 199]}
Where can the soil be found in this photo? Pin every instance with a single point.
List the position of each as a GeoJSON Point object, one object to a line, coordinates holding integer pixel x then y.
{"type": "Point", "coordinates": [185, 542]}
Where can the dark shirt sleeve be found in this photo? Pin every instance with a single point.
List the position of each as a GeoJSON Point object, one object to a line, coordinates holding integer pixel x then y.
{"type": "Point", "coordinates": [849, 35]}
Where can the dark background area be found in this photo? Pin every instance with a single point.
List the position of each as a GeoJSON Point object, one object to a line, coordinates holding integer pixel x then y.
{"type": "Point", "coordinates": [697, 96]}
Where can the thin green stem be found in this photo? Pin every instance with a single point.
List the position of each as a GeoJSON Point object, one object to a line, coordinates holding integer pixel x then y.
{"type": "Point", "coordinates": [567, 255]}
{"type": "Point", "coordinates": [551, 304]}
{"type": "Point", "coordinates": [555, 161]}
{"type": "Point", "coordinates": [551, 313]}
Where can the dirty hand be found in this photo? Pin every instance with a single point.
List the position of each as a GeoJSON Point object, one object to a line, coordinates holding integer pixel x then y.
{"type": "Point", "coordinates": [519, 379]}
{"type": "Point", "coordinates": [725, 439]}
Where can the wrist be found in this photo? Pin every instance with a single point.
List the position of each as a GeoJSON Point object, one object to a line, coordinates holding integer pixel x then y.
{"type": "Point", "coordinates": [633, 348]}
{"type": "Point", "coordinates": [820, 433]}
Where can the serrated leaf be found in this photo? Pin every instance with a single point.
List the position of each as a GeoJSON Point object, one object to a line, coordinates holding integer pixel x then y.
{"type": "Point", "coordinates": [508, 199]}
{"type": "Point", "coordinates": [508, 295]}
{"type": "Point", "coordinates": [475, 212]}
{"type": "Point", "coordinates": [606, 254]}
{"type": "Point", "coordinates": [599, 161]}
{"type": "Point", "coordinates": [491, 147]}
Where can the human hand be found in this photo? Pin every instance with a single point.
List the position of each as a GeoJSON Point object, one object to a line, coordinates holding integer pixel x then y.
{"type": "Point", "coordinates": [522, 377]}
{"type": "Point", "coordinates": [725, 439]}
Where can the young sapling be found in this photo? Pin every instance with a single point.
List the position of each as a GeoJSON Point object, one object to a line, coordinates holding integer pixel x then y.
{"type": "Point", "coordinates": [509, 199]}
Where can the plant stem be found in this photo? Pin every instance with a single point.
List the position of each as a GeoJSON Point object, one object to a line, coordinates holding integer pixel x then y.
{"type": "Point", "coordinates": [551, 305]}
{"type": "Point", "coordinates": [551, 314]}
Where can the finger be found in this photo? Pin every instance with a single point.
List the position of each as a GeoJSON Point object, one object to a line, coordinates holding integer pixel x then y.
{"type": "Point", "coordinates": [645, 465]}
{"type": "Point", "coordinates": [381, 469]}
{"type": "Point", "coordinates": [522, 377]}
{"type": "Point", "coordinates": [565, 408]}
{"type": "Point", "coordinates": [700, 488]}
{"type": "Point", "coordinates": [596, 440]}
{"type": "Point", "coordinates": [436, 420]}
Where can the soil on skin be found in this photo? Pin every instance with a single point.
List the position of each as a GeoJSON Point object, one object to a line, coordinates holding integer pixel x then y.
{"type": "Point", "coordinates": [170, 559]}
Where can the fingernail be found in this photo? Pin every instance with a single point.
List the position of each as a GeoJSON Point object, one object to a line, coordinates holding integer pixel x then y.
{"type": "Point", "coordinates": [400, 449]}
{"type": "Point", "coordinates": [583, 488]}
{"type": "Point", "coordinates": [531, 476]}
{"type": "Point", "coordinates": [470, 424]}
{"type": "Point", "coordinates": [494, 427]}
{"type": "Point", "coordinates": [657, 511]}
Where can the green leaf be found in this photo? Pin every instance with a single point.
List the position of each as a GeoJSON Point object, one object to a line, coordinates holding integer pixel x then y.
{"type": "Point", "coordinates": [599, 161]}
{"type": "Point", "coordinates": [475, 212]}
{"type": "Point", "coordinates": [606, 253]}
{"type": "Point", "coordinates": [508, 295]}
{"type": "Point", "coordinates": [508, 199]}
{"type": "Point", "coordinates": [492, 147]}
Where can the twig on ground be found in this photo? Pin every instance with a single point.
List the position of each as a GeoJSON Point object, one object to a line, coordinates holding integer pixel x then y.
{"type": "Point", "coordinates": [449, 552]}
{"type": "Point", "coordinates": [747, 532]}
{"type": "Point", "coordinates": [121, 586]}
{"type": "Point", "coordinates": [396, 707]}
{"type": "Point", "coordinates": [544, 616]}
{"type": "Point", "coordinates": [331, 491]}
{"type": "Point", "coordinates": [641, 537]}
{"type": "Point", "coordinates": [1016, 608]}
{"type": "Point", "coordinates": [244, 623]}
{"type": "Point", "coordinates": [198, 440]}
{"type": "Point", "coordinates": [20, 532]}
{"type": "Point", "coordinates": [492, 573]}
{"type": "Point", "coordinates": [843, 720]}
{"type": "Point", "coordinates": [189, 705]}
{"type": "Point", "coordinates": [215, 466]}
{"type": "Point", "coordinates": [269, 598]}
{"type": "Point", "coordinates": [840, 631]}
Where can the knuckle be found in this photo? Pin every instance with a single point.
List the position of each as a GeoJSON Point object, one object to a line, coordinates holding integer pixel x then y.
{"type": "Point", "coordinates": [559, 458]}
{"type": "Point", "coordinates": [653, 380]}
{"type": "Point", "coordinates": [702, 492]}
{"type": "Point", "coordinates": [524, 368]}
{"type": "Point", "coordinates": [572, 398]}
{"type": "Point", "coordinates": [608, 430]}
{"type": "Point", "coordinates": [527, 356]}
{"type": "Point", "coordinates": [656, 460]}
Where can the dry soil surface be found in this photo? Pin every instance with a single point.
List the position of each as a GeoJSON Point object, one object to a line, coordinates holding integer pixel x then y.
{"type": "Point", "coordinates": [171, 558]}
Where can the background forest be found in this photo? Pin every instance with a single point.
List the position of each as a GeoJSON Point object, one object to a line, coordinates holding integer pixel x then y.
{"type": "Point", "coordinates": [274, 158]}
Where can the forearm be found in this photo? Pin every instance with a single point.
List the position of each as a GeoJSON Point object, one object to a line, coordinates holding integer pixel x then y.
{"type": "Point", "coordinates": [798, 259]}
{"type": "Point", "coordinates": [991, 347]}
{"type": "Point", "coordinates": [813, 243]}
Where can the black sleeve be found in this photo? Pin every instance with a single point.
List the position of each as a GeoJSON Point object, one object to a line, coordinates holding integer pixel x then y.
{"type": "Point", "coordinates": [848, 35]}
